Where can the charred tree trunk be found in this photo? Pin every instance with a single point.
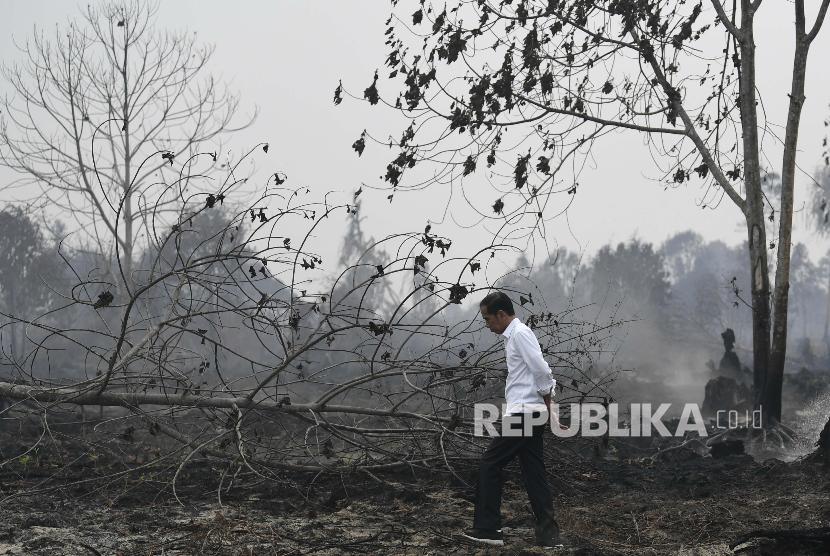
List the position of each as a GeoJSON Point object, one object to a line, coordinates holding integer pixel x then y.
{"type": "Point", "coordinates": [754, 213]}
{"type": "Point", "coordinates": [91, 396]}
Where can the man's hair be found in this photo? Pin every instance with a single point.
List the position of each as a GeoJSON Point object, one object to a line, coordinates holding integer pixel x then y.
{"type": "Point", "coordinates": [496, 301]}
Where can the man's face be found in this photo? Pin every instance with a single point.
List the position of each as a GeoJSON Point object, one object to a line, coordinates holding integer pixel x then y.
{"type": "Point", "coordinates": [496, 323]}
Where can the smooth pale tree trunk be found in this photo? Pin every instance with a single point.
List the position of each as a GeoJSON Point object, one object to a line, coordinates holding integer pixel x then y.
{"type": "Point", "coordinates": [81, 397]}
{"type": "Point", "coordinates": [127, 262]}
{"type": "Point", "coordinates": [127, 245]}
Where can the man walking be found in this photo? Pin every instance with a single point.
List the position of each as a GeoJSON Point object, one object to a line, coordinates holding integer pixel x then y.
{"type": "Point", "coordinates": [529, 384]}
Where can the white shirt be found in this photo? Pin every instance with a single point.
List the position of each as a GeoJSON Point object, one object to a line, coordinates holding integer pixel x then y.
{"type": "Point", "coordinates": [528, 374]}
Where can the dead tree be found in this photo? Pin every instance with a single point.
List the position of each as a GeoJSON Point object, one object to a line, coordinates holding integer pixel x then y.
{"type": "Point", "coordinates": [234, 345]}
{"type": "Point", "coordinates": [479, 78]}
{"type": "Point", "coordinates": [90, 101]}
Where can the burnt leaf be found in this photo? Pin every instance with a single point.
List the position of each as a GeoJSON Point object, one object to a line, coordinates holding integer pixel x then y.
{"type": "Point", "coordinates": [498, 206]}
{"type": "Point", "coordinates": [408, 135]}
{"type": "Point", "coordinates": [686, 27]}
{"type": "Point", "coordinates": [520, 171]}
{"type": "Point", "coordinates": [469, 165]}
{"type": "Point", "coordinates": [360, 144]}
{"type": "Point", "coordinates": [378, 329]}
{"type": "Point", "coordinates": [457, 293]}
{"type": "Point", "coordinates": [546, 83]}
{"type": "Point", "coordinates": [420, 262]}
{"type": "Point", "coordinates": [104, 300]}
{"type": "Point", "coordinates": [439, 21]}
{"type": "Point", "coordinates": [530, 51]}
{"type": "Point", "coordinates": [734, 174]}
{"type": "Point", "coordinates": [444, 246]}
{"type": "Point", "coordinates": [371, 92]}
{"type": "Point", "coordinates": [455, 46]}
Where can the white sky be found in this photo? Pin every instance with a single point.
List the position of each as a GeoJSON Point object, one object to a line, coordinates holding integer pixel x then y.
{"type": "Point", "coordinates": [287, 56]}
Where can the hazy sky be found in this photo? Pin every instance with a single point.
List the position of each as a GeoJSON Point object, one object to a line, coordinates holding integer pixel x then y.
{"type": "Point", "coordinates": [287, 56]}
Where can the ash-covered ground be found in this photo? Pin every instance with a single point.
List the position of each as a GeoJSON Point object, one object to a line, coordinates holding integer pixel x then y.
{"type": "Point", "coordinates": [633, 497]}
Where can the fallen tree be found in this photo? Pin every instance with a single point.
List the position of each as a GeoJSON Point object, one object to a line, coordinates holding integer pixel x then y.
{"type": "Point", "coordinates": [234, 345]}
{"type": "Point", "coordinates": [132, 399]}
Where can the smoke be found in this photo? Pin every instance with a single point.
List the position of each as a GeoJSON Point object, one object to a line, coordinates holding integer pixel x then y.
{"type": "Point", "coordinates": [809, 422]}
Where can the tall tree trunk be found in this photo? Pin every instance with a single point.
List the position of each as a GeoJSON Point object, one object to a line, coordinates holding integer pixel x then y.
{"type": "Point", "coordinates": [754, 205]}
{"type": "Point", "coordinates": [771, 399]}
{"type": "Point", "coordinates": [127, 215]}
{"type": "Point", "coordinates": [127, 254]}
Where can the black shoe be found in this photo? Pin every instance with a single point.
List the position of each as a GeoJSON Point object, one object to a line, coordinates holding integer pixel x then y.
{"type": "Point", "coordinates": [549, 544]}
{"type": "Point", "coordinates": [548, 537]}
{"type": "Point", "coordinates": [484, 536]}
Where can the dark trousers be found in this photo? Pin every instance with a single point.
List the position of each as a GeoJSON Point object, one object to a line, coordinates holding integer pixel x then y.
{"type": "Point", "coordinates": [501, 451]}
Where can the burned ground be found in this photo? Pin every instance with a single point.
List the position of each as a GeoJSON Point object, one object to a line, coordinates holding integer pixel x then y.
{"type": "Point", "coordinates": [628, 499]}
